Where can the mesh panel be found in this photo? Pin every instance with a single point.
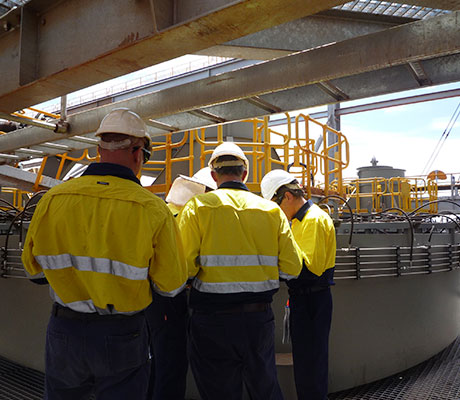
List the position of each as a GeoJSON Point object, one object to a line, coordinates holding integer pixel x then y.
{"type": "Point", "coordinates": [435, 379]}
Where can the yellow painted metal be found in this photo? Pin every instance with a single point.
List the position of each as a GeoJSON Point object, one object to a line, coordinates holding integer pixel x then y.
{"type": "Point", "coordinates": [16, 196]}
{"type": "Point", "coordinates": [268, 149]}
{"type": "Point", "coordinates": [407, 193]}
{"type": "Point", "coordinates": [319, 168]}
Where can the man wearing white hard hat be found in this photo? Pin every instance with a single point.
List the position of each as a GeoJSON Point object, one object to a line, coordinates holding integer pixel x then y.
{"type": "Point", "coordinates": [310, 299]}
{"type": "Point", "coordinates": [237, 246]}
{"type": "Point", "coordinates": [102, 242]}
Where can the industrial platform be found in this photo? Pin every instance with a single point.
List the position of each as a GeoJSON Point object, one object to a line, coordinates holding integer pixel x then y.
{"type": "Point", "coordinates": [435, 379]}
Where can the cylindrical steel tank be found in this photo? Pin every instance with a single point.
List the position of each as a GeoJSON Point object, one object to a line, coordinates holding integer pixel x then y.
{"type": "Point", "coordinates": [376, 179]}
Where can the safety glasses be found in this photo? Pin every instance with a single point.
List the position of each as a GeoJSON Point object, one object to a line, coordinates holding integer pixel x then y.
{"type": "Point", "coordinates": [278, 198]}
{"type": "Point", "coordinates": [146, 153]}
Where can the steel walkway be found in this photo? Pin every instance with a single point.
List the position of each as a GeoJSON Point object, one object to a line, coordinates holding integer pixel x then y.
{"type": "Point", "coordinates": [435, 379]}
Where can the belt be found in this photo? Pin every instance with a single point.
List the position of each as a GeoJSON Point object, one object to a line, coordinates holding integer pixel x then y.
{"type": "Point", "coordinates": [307, 290]}
{"type": "Point", "coordinates": [242, 308]}
{"type": "Point", "coordinates": [65, 312]}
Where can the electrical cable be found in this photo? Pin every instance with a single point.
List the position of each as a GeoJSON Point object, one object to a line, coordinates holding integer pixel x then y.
{"type": "Point", "coordinates": [8, 233]}
{"type": "Point", "coordinates": [410, 226]}
{"type": "Point", "coordinates": [442, 140]}
{"type": "Point", "coordinates": [345, 201]}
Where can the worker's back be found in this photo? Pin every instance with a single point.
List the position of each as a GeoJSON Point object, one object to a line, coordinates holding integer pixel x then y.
{"type": "Point", "coordinates": [237, 246]}
{"type": "Point", "coordinates": [96, 232]}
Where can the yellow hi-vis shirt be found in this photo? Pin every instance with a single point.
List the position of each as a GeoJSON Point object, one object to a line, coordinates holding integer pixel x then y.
{"type": "Point", "coordinates": [236, 241]}
{"type": "Point", "coordinates": [100, 240]}
{"type": "Point", "coordinates": [315, 236]}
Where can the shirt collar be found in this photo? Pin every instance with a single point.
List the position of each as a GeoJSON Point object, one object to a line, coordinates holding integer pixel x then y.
{"type": "Point", "coordinates": [117, 170]}
{"type": "Point", "coordinates": [303, 210]}
{"type": "Point", "coordinates": [234, 185]}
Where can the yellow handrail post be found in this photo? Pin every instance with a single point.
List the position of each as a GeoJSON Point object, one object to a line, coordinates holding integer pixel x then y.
{"type": "Point", "coordinates": [168, 172]}
{"type": "Point", "coordinates": [39, 174]}
{"type": "Point", "coordinates": [267, 155]}
{"type": "Point", "coordinates": [61, 164]}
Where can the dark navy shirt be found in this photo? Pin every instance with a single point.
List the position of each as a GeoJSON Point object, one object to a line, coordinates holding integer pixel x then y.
{"type": "Point", "coordinates": [117, 170]}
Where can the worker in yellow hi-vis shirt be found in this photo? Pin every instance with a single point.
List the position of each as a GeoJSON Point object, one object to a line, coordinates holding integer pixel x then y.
{"type": "Point", "coordinates": [310, 299]}
{"type": "Point", "coordinates": [237, 246]}
{"type": "Point", "coordinates": [102, 242]}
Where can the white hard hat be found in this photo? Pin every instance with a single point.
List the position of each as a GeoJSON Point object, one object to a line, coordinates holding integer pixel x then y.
{"type": "Point", "coordinates": [203, 177]}
{"type": "Point", "coordinates": [273, 180]}
{"type": "Point", "coordinates": [185, 187]}
{"type": "Point", "coordinates": [228, 149]}
{"type": "Point", "coordinates": [126, 122]}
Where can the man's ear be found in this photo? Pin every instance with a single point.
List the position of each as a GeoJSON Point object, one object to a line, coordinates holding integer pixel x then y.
{"type": "Point", "coordinates": [245, 174]}
{"type": "Point", "coordinates": [214, 175]}
{"type": "Point", "coordinates": [288, 195]}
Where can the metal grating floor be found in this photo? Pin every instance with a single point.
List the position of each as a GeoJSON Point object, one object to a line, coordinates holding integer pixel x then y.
{"type": "Point", "coordinates": [20, 383]}
{"type": "Point", "coordinates": [435, 379]}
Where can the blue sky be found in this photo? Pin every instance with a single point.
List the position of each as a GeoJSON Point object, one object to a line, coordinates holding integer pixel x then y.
{"type": "Point", "coordinates": [403, 136]}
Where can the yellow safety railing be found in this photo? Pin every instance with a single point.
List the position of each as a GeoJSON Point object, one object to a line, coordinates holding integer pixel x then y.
{"type": "Point", "coordinates": [64, 157]}
{"type": "Point", "coordinates": [17, 198]}
{"type": "Point", "coordinates": [377, 194]}
{"type": "Point", "coordinates": [266, 149]}
{"type": "Point", "coordinates": [332, 156]}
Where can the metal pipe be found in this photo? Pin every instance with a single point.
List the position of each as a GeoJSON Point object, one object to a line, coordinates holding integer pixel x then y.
{"type": "Point", "coordinates": [63, 108]}
{"type": "Point", "coordinates": [59, 127]}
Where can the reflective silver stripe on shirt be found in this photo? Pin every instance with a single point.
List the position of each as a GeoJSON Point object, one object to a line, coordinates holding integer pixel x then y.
{"type": "Point", "coordinates": [102, 265]}
{"type": "Point", "coordinates": [284, 275]}
{"type": "Point", "coordinates": [235, 287]}
{"type": "Point", "coordinates": [40, 275]}
{"type": "Point", "coordinates": [86, 306]}
{"type": "Point", "coordinates": [171, 293]}
{"type": "Point", "coordinates": [238, 260]}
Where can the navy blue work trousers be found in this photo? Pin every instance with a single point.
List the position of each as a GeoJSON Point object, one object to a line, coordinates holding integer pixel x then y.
{"type": "Point", "coordinates": [227, 350]}
{"type": "Point", "coordinates": [310, 323]}
{"type": "Point", "coordinates": [108, 358]}
{"type": "Point", "coordinates": [168, 319]}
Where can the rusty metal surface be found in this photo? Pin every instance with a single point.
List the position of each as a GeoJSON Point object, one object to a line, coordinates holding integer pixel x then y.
{"type": "Point", "coordinates": [353, 66]}
{"type": "Point", "coordinates": [130, 41]}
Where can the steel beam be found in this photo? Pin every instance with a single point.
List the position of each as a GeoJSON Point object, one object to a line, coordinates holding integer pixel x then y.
{"type": "Point", "coordinates": [84, 42]}
{"type": "Point", "coordinates": [417, 41]}
{"type": "Point", "coordinates": [420, 40]}
{"type": "Point", "coordinates": [403, 101]}
{"type": "Point", "coordinates": [10, 176]}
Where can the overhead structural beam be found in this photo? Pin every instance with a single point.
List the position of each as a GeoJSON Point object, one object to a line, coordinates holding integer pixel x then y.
{"type": "Point", "coordinates": [417, 41]}
{"type": "Point", "coordinates": [55, 50]}
{"type": "Point", "coordinates": [403, 101]}
{"type": "Point", "coordinates": [436, 37]}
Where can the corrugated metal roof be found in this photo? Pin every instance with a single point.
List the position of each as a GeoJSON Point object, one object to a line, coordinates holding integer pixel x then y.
{"type": "Point", "coordinates": [391, 9]}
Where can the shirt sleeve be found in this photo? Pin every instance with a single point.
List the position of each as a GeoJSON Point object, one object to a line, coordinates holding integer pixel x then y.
{"type": "Point", "coordinates": [191, 237]}
{"type": "Point", "coordinates": [33, 269]}
{"type": "Point", "coordinates": [289, 259]}
{"type": "Point", "coordinates": [167, 269]}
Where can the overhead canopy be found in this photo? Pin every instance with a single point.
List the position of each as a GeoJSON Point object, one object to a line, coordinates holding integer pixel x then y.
{"type": "Point", "coordinates": [334, 56]}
